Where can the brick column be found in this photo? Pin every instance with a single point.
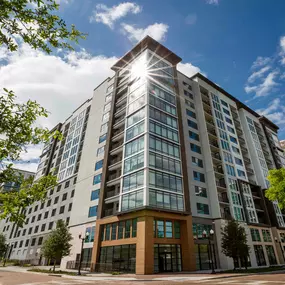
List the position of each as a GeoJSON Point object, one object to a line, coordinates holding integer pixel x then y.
{"type": "Point", "coordinates": [187, 245]}
{"type": "Point", "coordinates": [145, 246]}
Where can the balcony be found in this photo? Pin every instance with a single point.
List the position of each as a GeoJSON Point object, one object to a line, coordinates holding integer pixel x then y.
{"type": "Point", "coordinates": [219, 171]}
{"type": "Point", "coordinates": [249, 170]}
{"type": "Point", "coordinates": [208, 112]}
{"type": "Point", "coordinates": [115, 163]}
{"type": "Point", "coordinates": [119, 122]}
{"type": "Point", "coordinates": [110, 212]}
{"type": "Point", "coordinates": [255, 195]}
{"type": "Point", "coordinates": [212, 133]}
{"type": "Point", "coordinates": [210, 122]}
{"type": "Point", "coordinates": [120, 111]}
{"type": "Point", "coordinates": [214, 144]}
{"type": "Point", "coordinates": [115, 191]}
{"type": "Point", "coordinates": [221, 185]}
{"type": "Point", "coordinates": [217, 156]}
{"type": "Point", "coordinates": [206, 102]}
{"type": "Point", "coordinates": [239, 130]}
{"type": "Point", "coordinates": [118, 134]}
{"type": "Point", "coordinates": [243, 149]}
{"type": "Point", "coordinates": [247, 160]}
{"type": "Point", "coordinates": [226, 215]}
{"type": "Point", "coordinates": [241, 140]}
{"type": "Point", "coordinates": [258, 207]}
{"type": "Point", "coordinates": [223, 198]}
{"type": "Point", "coordinates": [114, 178]}
{"type": "Point", "coordinates": [116, 148]}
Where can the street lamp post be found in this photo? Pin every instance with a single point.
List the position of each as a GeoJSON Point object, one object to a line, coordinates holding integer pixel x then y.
{"type": "Point", "coordinates": [276, 240]}
{"type": "Point", "coordinates": [212, 255]}
{"type": "Point", "coordinates": [82, 238]}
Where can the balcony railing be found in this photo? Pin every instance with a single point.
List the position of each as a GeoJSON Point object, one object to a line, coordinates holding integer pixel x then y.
{"type": "Point", "coordinates": [112, 193]}
{"type": "Point", "coordinates": [221, 183]}
{"type": "Point", "coordinates": [216, 155]}
{"type": "Point", "coordinates": [212, 132]}
{"type": "Point", "coordinates": [223, 198]}
{"type": "Point", "coordinates": [218, 170]}
{"type": "Point", "coordinates": [214, 143]}
{"type": "Point", "coordinates": [110, 212]}
{"type": "Point", "coordinates": [207, 102]}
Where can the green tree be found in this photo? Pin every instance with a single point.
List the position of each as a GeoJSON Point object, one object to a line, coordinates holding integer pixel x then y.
{"type": "Point", "coordinates": [3, 245]}
{"type": "Point", "coordinates": [57, 245]}
{"type": "Point", "coordinates": [35, 22]}
{"type": "Point", "coordinates": [276, 191]}
{"type": "Point", "coordinates": [234, 242]}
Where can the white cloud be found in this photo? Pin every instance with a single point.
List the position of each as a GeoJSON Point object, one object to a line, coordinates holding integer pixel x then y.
{"type": "Point", "coordinates": [260, 61]}
{"type": "Point", "coordinates": [191, 19]}
{"type": "Point", "coordinates": [26, 166]}
{"type": "Point", "coordinates": [265, 87]}
{"type": "Point", "coordinates": [275, 111]}
{"type": "Point", "coordinates": [156, 31]}
{"type": "Point", "coordinates": [188, 69]}
{"type": "Point", "coordinates": [212, 2]}
{"type": "Point", "coordinates": [282, 43]}
{"type": "Point", "coordinates": [258, 74]}
{"type": "Point", "coordinates": [60, 84]}
{"type": "Point", "coordinates": [109, 16]}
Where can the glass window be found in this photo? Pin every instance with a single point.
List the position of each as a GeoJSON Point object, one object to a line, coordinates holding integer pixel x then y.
{"type": "Point", "coordinates": [168, 229]}
{"type": "Point", "coordinates": [163, 131]}
{"type": "Point", "coordinates": [133, 181]}
{"type": "Point", "coordinates": [104, 127]}
{"type": "Point", "coordinates": [200, 191]}
{"type": "Point", "coordinates": [271, 254]}
{"type": "Point", "coordinates": [162, 117]}
{"type": "Point", "coordinates": [99, 164]}
{"type": "Point", "coordinates": [266, 236]}
{"type": "Point", "coordinates": [92, 211]}
{"type": "Point", "coordinates": [238, 214]}
{"type": "Point", "coordinates": [135, 131]}
{"type": "Point", "coordinates": [132, 200]}
{"type": "Point", "coordinates": [136, 104]}
{"type": "Point", "coordinates": [238, 161]}
{"type": "Point", "coordinates": [121, 230]}
{"type": "Point", "coordinates": [163, 146]}
{"type": "Point", "coordinates": [224, 103]}
{"type": "Point", "coordinates": [100, 150]}
{"type": "Point", "coordinates": [107, 232]}
{"type": "Point", "coordinates": [203, 209]}
{"type": "Point", "coordinates": [191, 113]}
{"type": "Point", "coordinates": [240, 173]}
{"type": "Point", "coordinates": [230, 129]}
{"type": "Point", "coordinates": [165, 181]}
{"type": "Point", "coordinates": [234, 140]}
{"type": "Point", "coordinates": [128, 229]}
{"type": "Point", "coordinates": [134, 227]}
{"type": "Point", "coordinates": [133, 163]}
{"type": "Point", "coordinates": [192, 124]}
{"type": "Point", "coordinates": [114, 231]}
{"type": "Point", "coordinates": [259, 254]}
{"type": "Point", "coordinates": [168, 108]}
{"type": "Point", "coordinates": [193, 136]}
{"type": "Point", "coordinates": [255, 235]}
{"type": "Point", "coordinates": [158, 92]}
{"type": "Point", "coordinates": [164, 163]}
{"type": "Point", "coordinates": [176, 229]}
{"type": "Point", "coordinates": [97, 179]}
{"type": "Point", "coordinates": [197, 162]}
{"type": "Point", "coordinates": [102, 138]}
{"type": "Point", "coordinates": [134, 118]}
{"type": "Point", "coordinates": [228, 120]}
{"type": "Point", "coordinates": [160, 229]}
{"type": "Point", "coordinates": [226, 111]}
{"type": "Point", "coordinates": [95, 194]}
{"type": "Point", "coordinates": [134, 146]}
{"type": "Point", "coordinates": [199, 176]}
{"type": "Point", "coordinates": [195, 148]}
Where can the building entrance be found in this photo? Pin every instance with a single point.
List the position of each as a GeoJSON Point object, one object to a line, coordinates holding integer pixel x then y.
{"type": "Point", "coordinates": [165, 262]}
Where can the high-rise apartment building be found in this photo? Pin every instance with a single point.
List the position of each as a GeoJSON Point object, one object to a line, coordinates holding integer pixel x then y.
{"type": "Point", "coordinates": [149, 164]}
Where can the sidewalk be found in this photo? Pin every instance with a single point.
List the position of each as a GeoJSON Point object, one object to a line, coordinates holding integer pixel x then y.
{"type": "Point", "coordinates": [183, 276]}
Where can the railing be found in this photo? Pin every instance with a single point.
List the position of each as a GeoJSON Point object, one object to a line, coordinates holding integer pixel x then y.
{"type": "Point", "coordinates": [223, 199]}
{"type": "Point", "coordinates": [110, 212]}
{"type": "Point", "coordinates": [85, 266]}
{"type": "Point", "coordinates": [112, 193]}
{"type": "Point", "coordinates": [221, 184]}
{"type": "Point", "coordinates": [216, 155]}
{"type": "Point", "coordinates": [210, 122]}
{"type": "Point", "coordinates": [116, 266]}
{"type": "Point", "coordinates": [212, 132]}
{"type": "Point", "coordinates": [218, 170]}
{"type": "Point", "coordinates": [226, 216]}
{"type": "Point", "coordinates": [115, 160]}
{"type": "Point", "coordinates": [114, 176]}
{"type": "Point", "coordinates": [207, 102]}
{"type": "Point", "coordinates": [208, 112]}
{"type": "Point", "coordinates": [214, 143]}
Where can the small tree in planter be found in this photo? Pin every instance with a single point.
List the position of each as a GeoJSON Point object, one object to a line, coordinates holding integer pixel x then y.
{"type": "Point", "coordinates": [57, 245]}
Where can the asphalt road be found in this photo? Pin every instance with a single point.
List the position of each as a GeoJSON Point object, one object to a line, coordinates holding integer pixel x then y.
{"type": "Point", "coordinates": [20, 278]}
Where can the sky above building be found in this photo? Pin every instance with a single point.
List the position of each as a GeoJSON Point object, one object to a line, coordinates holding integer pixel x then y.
{"type": "Point", "coordinates": [238, 44]}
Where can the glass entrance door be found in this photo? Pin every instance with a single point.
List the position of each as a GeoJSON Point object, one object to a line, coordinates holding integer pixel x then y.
{"type": "Point", "coordinates": [165, 262]}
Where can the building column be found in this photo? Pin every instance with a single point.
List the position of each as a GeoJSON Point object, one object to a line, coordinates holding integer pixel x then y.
{"type": "Point", "coordinates": [277, 245]}
{"type": "Point", "coordinates": [96, 246]}
{"type": "Point", "coordinates": [187, 246]}
{"type": "Point", "coordinates": [145, 246]}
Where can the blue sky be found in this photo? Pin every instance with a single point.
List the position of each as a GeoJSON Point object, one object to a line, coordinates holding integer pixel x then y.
{"type": "Point", "coordinates": [238, 44]}
{"type": "Point", "coordinates": [221, 37]}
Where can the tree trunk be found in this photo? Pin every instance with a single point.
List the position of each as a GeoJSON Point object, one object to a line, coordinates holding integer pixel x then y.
{"type": "Point", "coordinates": [54, 262]}
{"type": "Point", "coordinates": [239, 263]}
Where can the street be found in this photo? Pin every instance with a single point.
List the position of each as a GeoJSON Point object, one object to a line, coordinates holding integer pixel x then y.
{"type": "Point", "coordinates": [25, 278]}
